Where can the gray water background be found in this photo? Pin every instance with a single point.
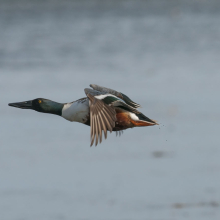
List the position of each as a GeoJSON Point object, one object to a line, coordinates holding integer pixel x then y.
{"type": "Point", "coordinates": [165, 55]}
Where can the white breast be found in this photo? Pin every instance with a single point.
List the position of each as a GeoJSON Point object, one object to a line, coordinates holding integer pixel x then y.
{"type": "Point", "coordinates": [76, 111]}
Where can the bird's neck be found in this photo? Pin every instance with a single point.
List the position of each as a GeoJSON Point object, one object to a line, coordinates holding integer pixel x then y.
{"type": "Point", "coordinates": [56, 108]}
{"type": "Point", "coordinates": [51, 107]}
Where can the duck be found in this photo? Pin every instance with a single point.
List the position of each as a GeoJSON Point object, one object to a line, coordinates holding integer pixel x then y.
{"type": "Point", "coordinates": [102, 109]}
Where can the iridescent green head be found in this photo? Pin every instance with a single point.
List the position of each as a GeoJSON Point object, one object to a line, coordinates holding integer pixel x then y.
{"type": "Point", "coordinates": [40, 105]}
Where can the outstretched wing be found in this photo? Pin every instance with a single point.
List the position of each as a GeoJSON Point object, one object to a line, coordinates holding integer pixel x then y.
{"type": "Point", "coordinates": [120, 95]}
{"type": "Point", "coordinates": [102, 117]}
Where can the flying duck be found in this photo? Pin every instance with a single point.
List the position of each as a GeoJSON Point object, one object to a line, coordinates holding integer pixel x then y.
{"type": "Point", "coordinates": [103, 110]}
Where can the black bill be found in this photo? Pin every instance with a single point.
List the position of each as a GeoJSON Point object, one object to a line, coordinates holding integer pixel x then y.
{"type": "Point", "coordinates": [24, 105]}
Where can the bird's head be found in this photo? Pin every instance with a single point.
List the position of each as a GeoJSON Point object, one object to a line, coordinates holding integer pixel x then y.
{"type": "Point", "coordinates": [40, 105]}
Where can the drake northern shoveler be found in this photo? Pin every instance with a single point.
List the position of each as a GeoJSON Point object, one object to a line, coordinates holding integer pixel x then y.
{"type": "Point", "coordinates": [103, 109]}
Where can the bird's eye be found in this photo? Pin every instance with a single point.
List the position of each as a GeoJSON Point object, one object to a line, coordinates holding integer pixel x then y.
{"type": "Point", "coordinates": [39, 101]}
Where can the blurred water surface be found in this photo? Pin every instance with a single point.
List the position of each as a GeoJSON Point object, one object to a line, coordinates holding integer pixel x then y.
{"type": "Point", "coordinates": [162, 54]}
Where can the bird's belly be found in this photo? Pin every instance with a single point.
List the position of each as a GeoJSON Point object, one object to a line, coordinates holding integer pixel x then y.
{"type": "Point", "coordinates": [123, 121]}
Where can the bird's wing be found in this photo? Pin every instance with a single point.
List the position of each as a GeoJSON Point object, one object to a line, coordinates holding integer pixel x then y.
{"type": "Point", "coordinates": [120, 95]}
{"type": "Point", "coordinates": [102, 117]}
